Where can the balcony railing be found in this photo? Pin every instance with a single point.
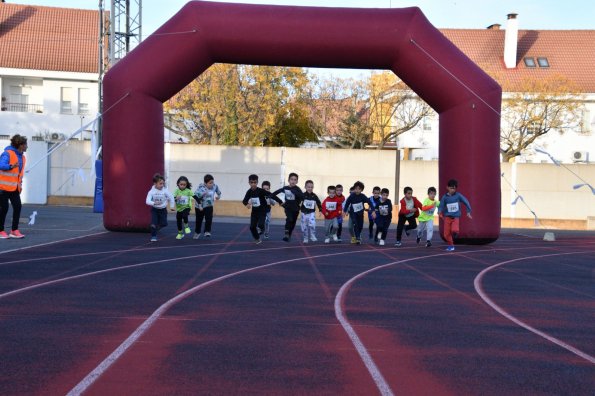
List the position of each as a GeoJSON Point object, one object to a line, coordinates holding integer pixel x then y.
{"type": "Point", "coordinates": [22, 107]}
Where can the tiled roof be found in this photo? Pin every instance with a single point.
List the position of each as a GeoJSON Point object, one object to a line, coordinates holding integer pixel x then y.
{"type": "Point", "coordinates": [48, 38]}
{"type": "Point", "coordinates": [570, 53]}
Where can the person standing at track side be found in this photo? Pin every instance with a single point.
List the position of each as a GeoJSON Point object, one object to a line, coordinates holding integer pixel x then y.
{"type": "Point", "coordinates": [12, 169]}
{"type": "Point", "coordinates": [293, 200]}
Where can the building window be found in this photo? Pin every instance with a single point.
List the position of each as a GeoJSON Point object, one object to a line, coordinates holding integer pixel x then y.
{"type": "Point", "coordinates": [84, 101]}
{"type": "Point", "coordinates": [66, 100]}
{"type": "Point", "coordinates": [529, 62]}
{"type": "Point", "coordinates": [586, 121]}
{"type": "Point", "coordinates": [543, 62]}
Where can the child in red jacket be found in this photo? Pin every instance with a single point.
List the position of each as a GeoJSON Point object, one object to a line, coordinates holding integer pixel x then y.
{"type": "Point", "coordinates": [408, 212]}
{"type": "Point", "coordinates": [332, 210]}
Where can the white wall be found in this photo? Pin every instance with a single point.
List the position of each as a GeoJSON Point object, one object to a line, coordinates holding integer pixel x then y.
{"type": "Point", "coordinates": [36, 178]}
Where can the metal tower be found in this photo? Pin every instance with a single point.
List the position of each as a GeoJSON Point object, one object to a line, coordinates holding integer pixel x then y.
{"type": "Point", "coordinates": [125, 28]}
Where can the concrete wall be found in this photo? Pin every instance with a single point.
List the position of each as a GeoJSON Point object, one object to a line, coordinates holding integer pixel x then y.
{"type": "Point", "coordinates": [546, 188]}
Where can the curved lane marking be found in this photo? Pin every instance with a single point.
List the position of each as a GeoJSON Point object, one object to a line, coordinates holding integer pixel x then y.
{"type": "Point", "coordinates": [479, 288]}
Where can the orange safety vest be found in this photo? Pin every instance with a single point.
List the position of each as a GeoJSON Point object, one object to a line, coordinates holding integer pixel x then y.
{"type": "Point", "coordinates": [12, 180]}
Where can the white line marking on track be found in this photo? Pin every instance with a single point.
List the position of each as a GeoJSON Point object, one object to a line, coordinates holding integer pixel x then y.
{"type": "Point", "coordinates": [52, 243]}
{"type": "Point", "coordinates": [86, 382]}
{"type": "Point", "coordinates": [479, 288]}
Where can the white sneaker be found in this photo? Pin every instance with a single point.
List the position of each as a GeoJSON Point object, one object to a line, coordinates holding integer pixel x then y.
{"type": "Point", "coordinates": [313, 238]}
{"type": "Point", "coordinates": [381, 242]}
{"type": "Point", "coordinates": [207, 234]}
{"type": "Point", "coordinates": [196, 236]}
{"type": "Point", "coordinates": [335, 238]}
{"type": "Point", "coordinates": [327, 240]}
{"type": "Point", "coordinates": [305, 240]}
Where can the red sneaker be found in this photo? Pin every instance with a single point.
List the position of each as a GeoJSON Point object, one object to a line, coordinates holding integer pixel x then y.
{"type": "Point", "coordinates": [16, 234]}
{"type": "Point", "coordinates": [3, 235]}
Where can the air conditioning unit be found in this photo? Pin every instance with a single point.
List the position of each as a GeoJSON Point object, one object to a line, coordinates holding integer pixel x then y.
{"type": "Point", "coordinates": [580, 156]}
{"type": "Point", "coordinates": [57, 136]}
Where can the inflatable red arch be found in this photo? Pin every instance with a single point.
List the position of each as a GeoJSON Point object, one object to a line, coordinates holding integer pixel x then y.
{"type": "Point", "coordinates": [402, 40]}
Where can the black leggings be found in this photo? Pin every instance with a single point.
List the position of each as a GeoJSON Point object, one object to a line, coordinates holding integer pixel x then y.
{"type": "Point", "coordinates": [401, 224]}
{"type": "Point", "coordinates": [207, 215]}
{"type": "Point", "coordinates": [15, 201]}
{"type": "Point", "coordinates": [291, 219]}
{"type": "Point", "coordinates": [182, 216]}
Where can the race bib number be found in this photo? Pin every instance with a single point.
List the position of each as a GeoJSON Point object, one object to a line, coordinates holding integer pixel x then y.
{"type": "Point", "coordinates": [158, 200]}
{"type": "Point", "coordinates": [330, 206]}
{"type": "Point", "coordinates": [183, 200]}
{"type": "Point", "coordinates": [289, 196]}
{"type": "Point", "coordinates": [358, 207]}
{"type": "Point", "coordinates": [309, 204]}
{"type": "Point", "coordinates": [452, 207]}
{"type": "Point", "coordinates": [383, 210]}
{"type": "Point", "coordinates": [255, 202]}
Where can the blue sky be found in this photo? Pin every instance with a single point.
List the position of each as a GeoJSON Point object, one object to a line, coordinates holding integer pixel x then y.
{"type": "Point", "coordinates": [468, 14]}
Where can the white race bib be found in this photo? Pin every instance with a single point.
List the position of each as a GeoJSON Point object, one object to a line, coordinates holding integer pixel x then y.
{"type": "Point", "coordinates": [158, 200]}
{"type": "Point", "coordinates": [358, 207]}
{"type": "Point", "coordinates": [330, 206]}
{"type": "Point", "coordinates": [309, 204]}
{"type": "Point", "coordinates": [255, 202]}
{"type": "Point", "coordinates": [383, 210]}
{"type": "Point", "coordinates": [289, 196]}
{"type": "Point", "coordinates": [452, 207]}
{"type": "Point", "coordinates": [183, 200]}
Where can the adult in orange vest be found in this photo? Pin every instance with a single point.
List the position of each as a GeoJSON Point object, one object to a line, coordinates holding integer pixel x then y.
{"type": "Point", "coordinates": [12, 169]}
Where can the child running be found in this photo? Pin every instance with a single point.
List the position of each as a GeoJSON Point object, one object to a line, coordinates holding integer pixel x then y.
{"type": "Point", "coordinates": [205, 196]}
{"type": "Point", "coordinates": [256, 199]}
{"type": "Point", "coordinates": [308, 209]}
{"type": "Point", "coordinates": [157, 199]}
{"type": "Point", "coordinates": [408, 212]}
{"type": "Point", "coordinates": [450, 212]}
{"type": "Point", "coordinates": [183, 197]}
{"type": "Point", "coordinates": [426, 217]}
{"type": "Point", "coordinates": [355, 206]}
{"type": "Point", "coordinates": [383, 216]}
{"type": "Point", "coordinates": [293, 201]}
{"type": "Point", "coordinates": [332, 210]}
{"type": "Point", "coordinates": [374, 198]}
{"type": "Point", "coordinates": [266, 185]}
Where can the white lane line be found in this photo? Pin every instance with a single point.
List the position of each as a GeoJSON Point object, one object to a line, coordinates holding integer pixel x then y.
{"type": "Point", "coordinates": [86, 382]}
{"type": "Point", "coordinates": [479, 288]}
{"type": "Point", "coordinates": [52, 243]}
{"type": "Point", "coordinates": [377, 376]}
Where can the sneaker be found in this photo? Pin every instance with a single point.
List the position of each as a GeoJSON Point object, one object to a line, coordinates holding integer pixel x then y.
{"type": "Point", "coordinates": [418, 239]}
{"type": "Point", "coordinates": [353, 240]}
{"type": "Point", "coordinates": [428, 244]}
{"type": "Point", "coordinates": [196, 235]}
{"type": "Point", "coordinates": [398, 244]}
{"type": "Point", "coordinates": [305, 240]}
{"type": "Point", "coordinates": [207, 234]}
{"type": "Point", "coordinates": [153, 239]}
{"type": "Point", "coordinates": [16, 234]}
{"type": "Point", "coordinates": [327, 240]}
{"type": "Point", "coordinates": [406, 232]}
{"type": "Point", "coordinates": [313, 238]}
{"type": "Point", "coordinates": [286, 238]}
{"type": "Point", "coordinates": [358, 241]}
{"type": "Point", "coordinates": [180, 235]}
{"type": "Point", "coordinates": [187, 230]}
{"type": "Point", "coordinates": [258, 241]}
{"type": "Point", "coordinates": [450, 249]}
{"type": "Point", "coordinates": [3, 235]}
{"type": "Point", "coordinates": [381, 242]}
{"type": "Point", "coordinates": [336, 239]}
{"type": "Point", "coordinates": [260, 232]}
{"type": "Point", "coordinates": [266, 236]}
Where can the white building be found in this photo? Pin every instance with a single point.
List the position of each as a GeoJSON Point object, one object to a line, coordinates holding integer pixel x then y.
{"type": "Point", "coordinates": [512, 56]}
{"type": "Point", "coordinates": [48, 71]}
